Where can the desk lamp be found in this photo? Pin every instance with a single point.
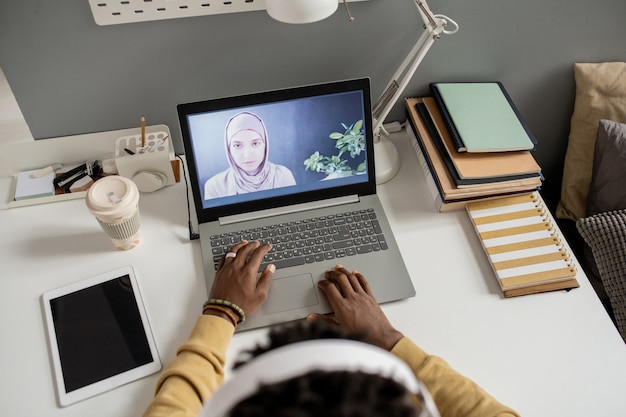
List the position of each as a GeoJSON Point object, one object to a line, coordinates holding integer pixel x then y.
{"type": "Point", "coordinates": [386, 156]}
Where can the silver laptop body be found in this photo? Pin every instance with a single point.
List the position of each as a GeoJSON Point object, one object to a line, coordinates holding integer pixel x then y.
{"type": "Point", "coordinates": [315, 200]}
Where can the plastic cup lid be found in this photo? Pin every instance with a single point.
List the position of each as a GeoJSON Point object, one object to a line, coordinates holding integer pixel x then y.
{"type": "Point", "coordinates": [112, 194]}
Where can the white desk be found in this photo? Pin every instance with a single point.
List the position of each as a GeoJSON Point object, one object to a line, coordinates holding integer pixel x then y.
{"type": "Point", "coordinates": [553, 354]}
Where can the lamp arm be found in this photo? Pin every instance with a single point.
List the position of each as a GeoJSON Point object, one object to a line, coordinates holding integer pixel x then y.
{"type": "Point", "coordinates": [434, 25]}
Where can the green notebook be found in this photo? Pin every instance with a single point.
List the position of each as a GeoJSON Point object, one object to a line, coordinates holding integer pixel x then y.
{"type": "Point", "coordinates": [482, 118]}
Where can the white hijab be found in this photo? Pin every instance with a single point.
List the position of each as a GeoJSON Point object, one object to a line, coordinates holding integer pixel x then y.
{"type": "Point", "coordinates": [265, 178]}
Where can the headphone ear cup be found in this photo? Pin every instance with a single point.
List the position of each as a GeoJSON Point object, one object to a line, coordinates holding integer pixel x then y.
{"type": "Point", "coordinates": [149, 181]}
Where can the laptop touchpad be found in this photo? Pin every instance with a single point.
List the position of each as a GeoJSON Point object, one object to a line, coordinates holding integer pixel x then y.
{"type": "Point", "coordinates": [289, 293]}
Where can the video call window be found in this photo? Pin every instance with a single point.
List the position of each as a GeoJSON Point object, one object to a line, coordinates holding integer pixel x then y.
{"type": "Point", "coordinates": [279, 148]}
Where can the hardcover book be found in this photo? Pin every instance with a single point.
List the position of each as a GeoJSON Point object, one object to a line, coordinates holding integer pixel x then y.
{"type": "Point", "coordinates": [447, 188]}
{"type": "Point", "coordinates": [479, 165]}
{"type": "Point", "coordinates": [481, 117]}
{"type": "Point", "coordinates": [474, 168]}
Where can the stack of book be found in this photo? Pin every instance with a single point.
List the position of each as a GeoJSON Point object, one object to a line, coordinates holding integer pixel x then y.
{"type": "Point", "coordinates": [471, 144]}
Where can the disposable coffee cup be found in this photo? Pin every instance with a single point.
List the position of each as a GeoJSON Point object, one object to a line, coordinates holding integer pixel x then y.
{"type": "Point", "coordinates": [113, 200]}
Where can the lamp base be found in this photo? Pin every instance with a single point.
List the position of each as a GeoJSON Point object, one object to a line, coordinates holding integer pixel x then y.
{"type": "Point", "coordinates": [386, 160]}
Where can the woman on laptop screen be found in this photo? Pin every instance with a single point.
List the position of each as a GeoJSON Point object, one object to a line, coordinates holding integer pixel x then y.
{"type": "Point", "coordinates": [247, 150]}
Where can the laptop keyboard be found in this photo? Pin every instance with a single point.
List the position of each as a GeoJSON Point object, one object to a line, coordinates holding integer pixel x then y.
{"type": "Point", "coordinates": [311, 240]}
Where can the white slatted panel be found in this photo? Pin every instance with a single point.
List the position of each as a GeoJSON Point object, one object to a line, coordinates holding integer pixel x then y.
{"type": "Point", "coordinates": [113, 12]}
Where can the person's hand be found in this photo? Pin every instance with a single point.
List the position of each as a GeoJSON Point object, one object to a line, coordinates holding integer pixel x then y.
{"type": "Point", "coordinates": [355, 307]}
{"type": "Point", "coordinates": [236, 277]}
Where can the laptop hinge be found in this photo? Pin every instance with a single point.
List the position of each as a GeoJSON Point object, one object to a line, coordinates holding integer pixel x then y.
{"type": "Point", "coordinates": [279, 211]}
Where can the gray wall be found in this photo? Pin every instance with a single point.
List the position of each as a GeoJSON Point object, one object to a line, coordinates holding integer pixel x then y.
{"type": "Point", "coordinates": [71, 76]}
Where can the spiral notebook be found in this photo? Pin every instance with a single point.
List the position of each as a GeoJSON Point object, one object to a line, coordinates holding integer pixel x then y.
{"type": "Point", "coordinates": [523, 247]}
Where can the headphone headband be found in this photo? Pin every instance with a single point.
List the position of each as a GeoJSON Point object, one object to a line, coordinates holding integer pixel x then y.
{"type": "Point", "coordinates": [301, 358]}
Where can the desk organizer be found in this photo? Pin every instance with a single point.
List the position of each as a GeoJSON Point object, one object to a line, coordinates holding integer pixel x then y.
{"type": "Point", "coordinates": [150, 161]}
{"type": "Point", "coordinates": [70, 151]}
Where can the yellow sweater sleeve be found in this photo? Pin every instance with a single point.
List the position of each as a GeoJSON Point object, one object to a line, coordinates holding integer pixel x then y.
{"type": "Point", "coordinates": [195, 373]}
{"type": "Point", "coordinates": [198, 370]}
{"type": "Point", "coordinates": [454, 394]}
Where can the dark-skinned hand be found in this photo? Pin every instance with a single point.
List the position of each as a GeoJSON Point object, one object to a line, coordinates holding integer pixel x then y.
{"type": "Point", "coordinates": [356, 310]}
{"type": "Point", "coordinates": [236, 277]}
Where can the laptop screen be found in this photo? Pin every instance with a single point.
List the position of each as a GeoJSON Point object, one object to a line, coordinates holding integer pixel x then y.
{"type": "Point", "coordinates": [278, 148]}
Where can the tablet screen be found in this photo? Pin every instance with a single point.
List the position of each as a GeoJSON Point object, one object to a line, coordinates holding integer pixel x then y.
{"type": "Point", "coordinates": [100, 334]}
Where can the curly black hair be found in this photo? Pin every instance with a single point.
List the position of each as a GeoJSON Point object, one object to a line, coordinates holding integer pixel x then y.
{"type": "Point", "coordinates": [322, 393]}
{"type": "Point", "coordinates": [329, 394]}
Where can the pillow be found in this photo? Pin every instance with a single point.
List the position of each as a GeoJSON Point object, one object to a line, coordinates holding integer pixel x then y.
{"type": "Point", "coordinates": [605, 233]}
{"type": "Point", "coordinates": [607, 191]}
{"type": "Point", "coordinates": [600, 94]}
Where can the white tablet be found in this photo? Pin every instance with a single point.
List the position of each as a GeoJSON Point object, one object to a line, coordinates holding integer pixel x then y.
{"type": "Point", "coordinates": [99, 335]}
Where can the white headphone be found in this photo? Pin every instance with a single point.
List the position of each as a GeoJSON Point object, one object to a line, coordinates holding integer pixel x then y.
{"type": "Point", "coordinates": [301, 358]}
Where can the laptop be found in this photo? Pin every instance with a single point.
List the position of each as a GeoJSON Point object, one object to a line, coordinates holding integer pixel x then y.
{"type": "Point", "coordinates": [293, 167]}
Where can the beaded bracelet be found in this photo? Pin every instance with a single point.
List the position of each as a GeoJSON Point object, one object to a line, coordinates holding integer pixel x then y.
{"type": "Point", "coordinates": [234, 307]}
{"type": "Point", "coordinates": [224, 310]}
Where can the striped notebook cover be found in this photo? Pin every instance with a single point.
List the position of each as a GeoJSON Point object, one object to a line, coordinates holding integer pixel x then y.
{"type": "Point", "coordinates": [523, 247]}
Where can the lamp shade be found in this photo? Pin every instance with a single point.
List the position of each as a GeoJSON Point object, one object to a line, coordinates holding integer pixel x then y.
{"type": "Point", "coordinates": [300, 11]}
